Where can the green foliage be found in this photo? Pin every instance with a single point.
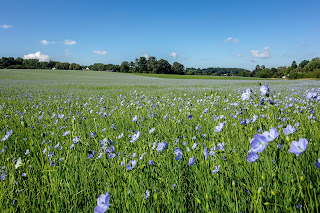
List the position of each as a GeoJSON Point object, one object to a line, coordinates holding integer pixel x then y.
{"type": "Point", "coordinates": [94, 101]}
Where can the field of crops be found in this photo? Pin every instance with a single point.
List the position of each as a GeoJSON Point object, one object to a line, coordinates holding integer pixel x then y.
{"type": "Point", "coordinates": [79, 141]}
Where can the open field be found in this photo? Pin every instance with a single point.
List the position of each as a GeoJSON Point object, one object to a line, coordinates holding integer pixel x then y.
{"type": "Point", "coordinates": [157, 144]}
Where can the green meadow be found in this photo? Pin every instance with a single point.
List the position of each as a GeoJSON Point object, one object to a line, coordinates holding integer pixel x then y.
{"type": "Point", "coordinates": [69, 136]}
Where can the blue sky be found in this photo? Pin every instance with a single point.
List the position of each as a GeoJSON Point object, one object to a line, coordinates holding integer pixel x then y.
{"type": "Point", "coordinates": [195, 33]}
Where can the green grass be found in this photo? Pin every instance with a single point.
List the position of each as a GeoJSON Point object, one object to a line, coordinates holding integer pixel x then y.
{"type": "Point", "coordinates": [31, 101]}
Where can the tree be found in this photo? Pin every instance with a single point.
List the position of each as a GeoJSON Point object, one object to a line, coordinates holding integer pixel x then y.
{"type": "Point", "coordinates": [163, 67]}
{"type": "Point", "coordinates": [303, 63]}
{"type": "Point", "coordinates": [142, 64]}
{"type": "Point", "coordinates": [30, 63]}
{"type": "Point", "coordinates": [74, 66]}
{"type": "Point", "coordinates": [151, 64]}
{"type": "Point", "coordinates": [294, 65]}
{"type": "Point", "coordinates": [124, 67]}
{"type": "Point", "coordinates": [177, 68]}
{"type": "Point", "coordinates": [98, 67]}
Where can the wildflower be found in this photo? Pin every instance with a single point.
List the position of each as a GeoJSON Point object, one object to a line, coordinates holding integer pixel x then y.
{"type": "Point", "coordinates": [162, 146]}
{"type": "Point", "coordinates": [252, 157]}
{"type": "Point", "coordinates": [112, 155]}
{"type": "Point", "coordinates": [258, 143]}
{"type": "Point", "coordinates": [44, 150]}
{"type": "Point", "coordinates": [178, 153]}
{"type": "Point", "coordinates": [27, 152]}
{"type": "Point", "coordinates": [220, 146]}
{"type": "Point", "coordinates": [8, 133]}
{"type": "Point", "coordinates": [135, 118]}
{"type": "Point", "coordinates": [289, 130]}
{"type": "Point", "coordinates": [151, 162]}
{"type": "Point", "coordinates": [219, 127]}
{"type": "Point", "coordinates": [112, 126]}
{"type": "Point", "coordinates": [135, 137]}
{"type": "Point", "coordinates": [3, 175]}
{"type": "Point", "coordinates": [120, 136]}
{"type": "Point", "coordinates": [147, 195]}
{"type": "Point", "coordinates": [50, 154]}
{"type": "Point", "coordinates": [189, 117]}
{"type": "Point", "coordinates": [298, 147]}
{"type": "Point", "coordinates": [194, 145]}
{"type": "Point", "coordinates": [93, 134]}
{"type": "Point", "coordinates": [152, 130]}
{"type": "Point", "coordinates": [192, 161]}
{"type": "Point", "coordinates": [18, 163]}
{"type": "Point", "coordinates": [264, 90]}
{"type": "Point", "coordinates": [76, 139]}
{"type": "Point", "coordinates": [311, 95]}
{"type": "Point", "coordinates": [246, 95]}
{"type": "Point", "coordinates": [72, 145]}
{"type": "Point", "coordinates": [131, 164]}
{"type": "Point", "coordinates": [216, 169]}
{"type": "Point", "coordinates": [102, 203]}
{"type": "Point", "coordinates": [205, 152]}
{"type": "Point", "coordinates": [52, 163]}
{"type": "Point", "coordinates": [66, 133]}
{"type": "Point", "coordinates": [271, 135]}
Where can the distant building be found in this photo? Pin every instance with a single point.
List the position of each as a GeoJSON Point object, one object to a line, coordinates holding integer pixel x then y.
{"type": "Point", "coordinates": [87, 68]}
{"type": "Point", "coordinates": [53, 68]}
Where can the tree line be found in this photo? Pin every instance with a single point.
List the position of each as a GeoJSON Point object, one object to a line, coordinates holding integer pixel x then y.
{"type": "Point", "coordinates": [305, 69]}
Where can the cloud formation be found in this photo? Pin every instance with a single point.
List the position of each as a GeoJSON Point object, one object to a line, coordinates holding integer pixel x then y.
{"type": "Point", "coordinates": [173, 54]}
{"type": "Point", "coordinates": [264, 54]}
{"type": "Point", "coordinates": [239, 55]}
{"type": "Point", "coordinates": [100, 52]}
{"type": "Point", "coordinates": [69, 42]}
{"type": "Point", "coordinates": [37, 55]}
{"type": "Point", "coordinates": [45, 42]}
{"type": "Point", "coordinates": [5, 26]}
{"type": "Point", "coordinates": [145, 55]}
{"type": "Point", "coordinates": [230, 39]}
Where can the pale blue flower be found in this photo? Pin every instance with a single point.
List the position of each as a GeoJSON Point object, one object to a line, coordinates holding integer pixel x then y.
{"type": "Point", "coordinates": [192, 161]}
{"type": "Point", "coordinates": [264, 90]}
{"type": "Point", "coordinates": [178, 153]}
{"type": "Point", "coordinates": [246, 95]}
{"type": "Point", "coordinates": [27, 152]}
{"type": "Point", "coordinates": [135, 118]}
{"type": "Point", "coordinates": [131, 164]}
{"type": "Point", "coordinates": [152, 130]}
{"type": "Point", "coordinates": [271, 135]}
{"type": "Point", "coordinates": [66, 133]}
{"type": "Point", "coordinates": [289, 130]}
{"type": "Point", "coordinates": [252, 157]}
{"type": "Point", "coordinates": [147, 195]}
{"type": "Point", "coordinates": [135, 137]}
{"type": "Point", "coordinates": [298, 147]}
{"type": "Point", "coordinates": [102, 203]}
{"type": "Point", "coordinates": [219, 127]}
{"type": "Point", "coordinates": [258, 143]}
{"type": "Point", "coordinates": [216, 169]}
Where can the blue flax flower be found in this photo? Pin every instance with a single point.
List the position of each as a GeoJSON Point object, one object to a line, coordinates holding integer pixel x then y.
{"type": "Point", "coordinates": [246, 95]}
{"type": "Point", "coordinates": [264, 90]}
{"type": "Point", "coordinates": [102, 203]}
{"type": "Point", "coordinates": [298, 147]}
{"type": "Point", "coordinates": [192, 161]}
{"type": "Point", "coordinates": [289, 130]}
{"type": "Point", "coordinates": [178, 153]}
{"type": "Point", "coordinates": [219, 127]}
{"type": "Point", "coordinates": [258, 143]}
{"type": "Point", "coordinates": [271, 135]}
{"type": "Point", "coordinates": [252, 157]}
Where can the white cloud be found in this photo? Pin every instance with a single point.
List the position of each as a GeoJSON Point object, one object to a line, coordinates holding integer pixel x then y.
{"type": "Point", "coordinates": [145, 55]}
{"type": "Point", "coordinates": [100, 52]}
{"type": "Point", "coordinates": [250, 59]}
{"type": "Point", "coordinates": [265, 54]}
{"type": "Point", "coordinates": [232, 40]}
{"type": "Point", "coordinates": [173, 54]}
{"type": "Point", "coordinates": [37, 55]}
{"type": "Point", "coordinates": [45, 42]}
{"type": "Point", "coordinates": [5, 26]}
{"type": "Point", "coordinates": [69, 42]}
{"type": "Point", "coordinates": [239, 55]}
